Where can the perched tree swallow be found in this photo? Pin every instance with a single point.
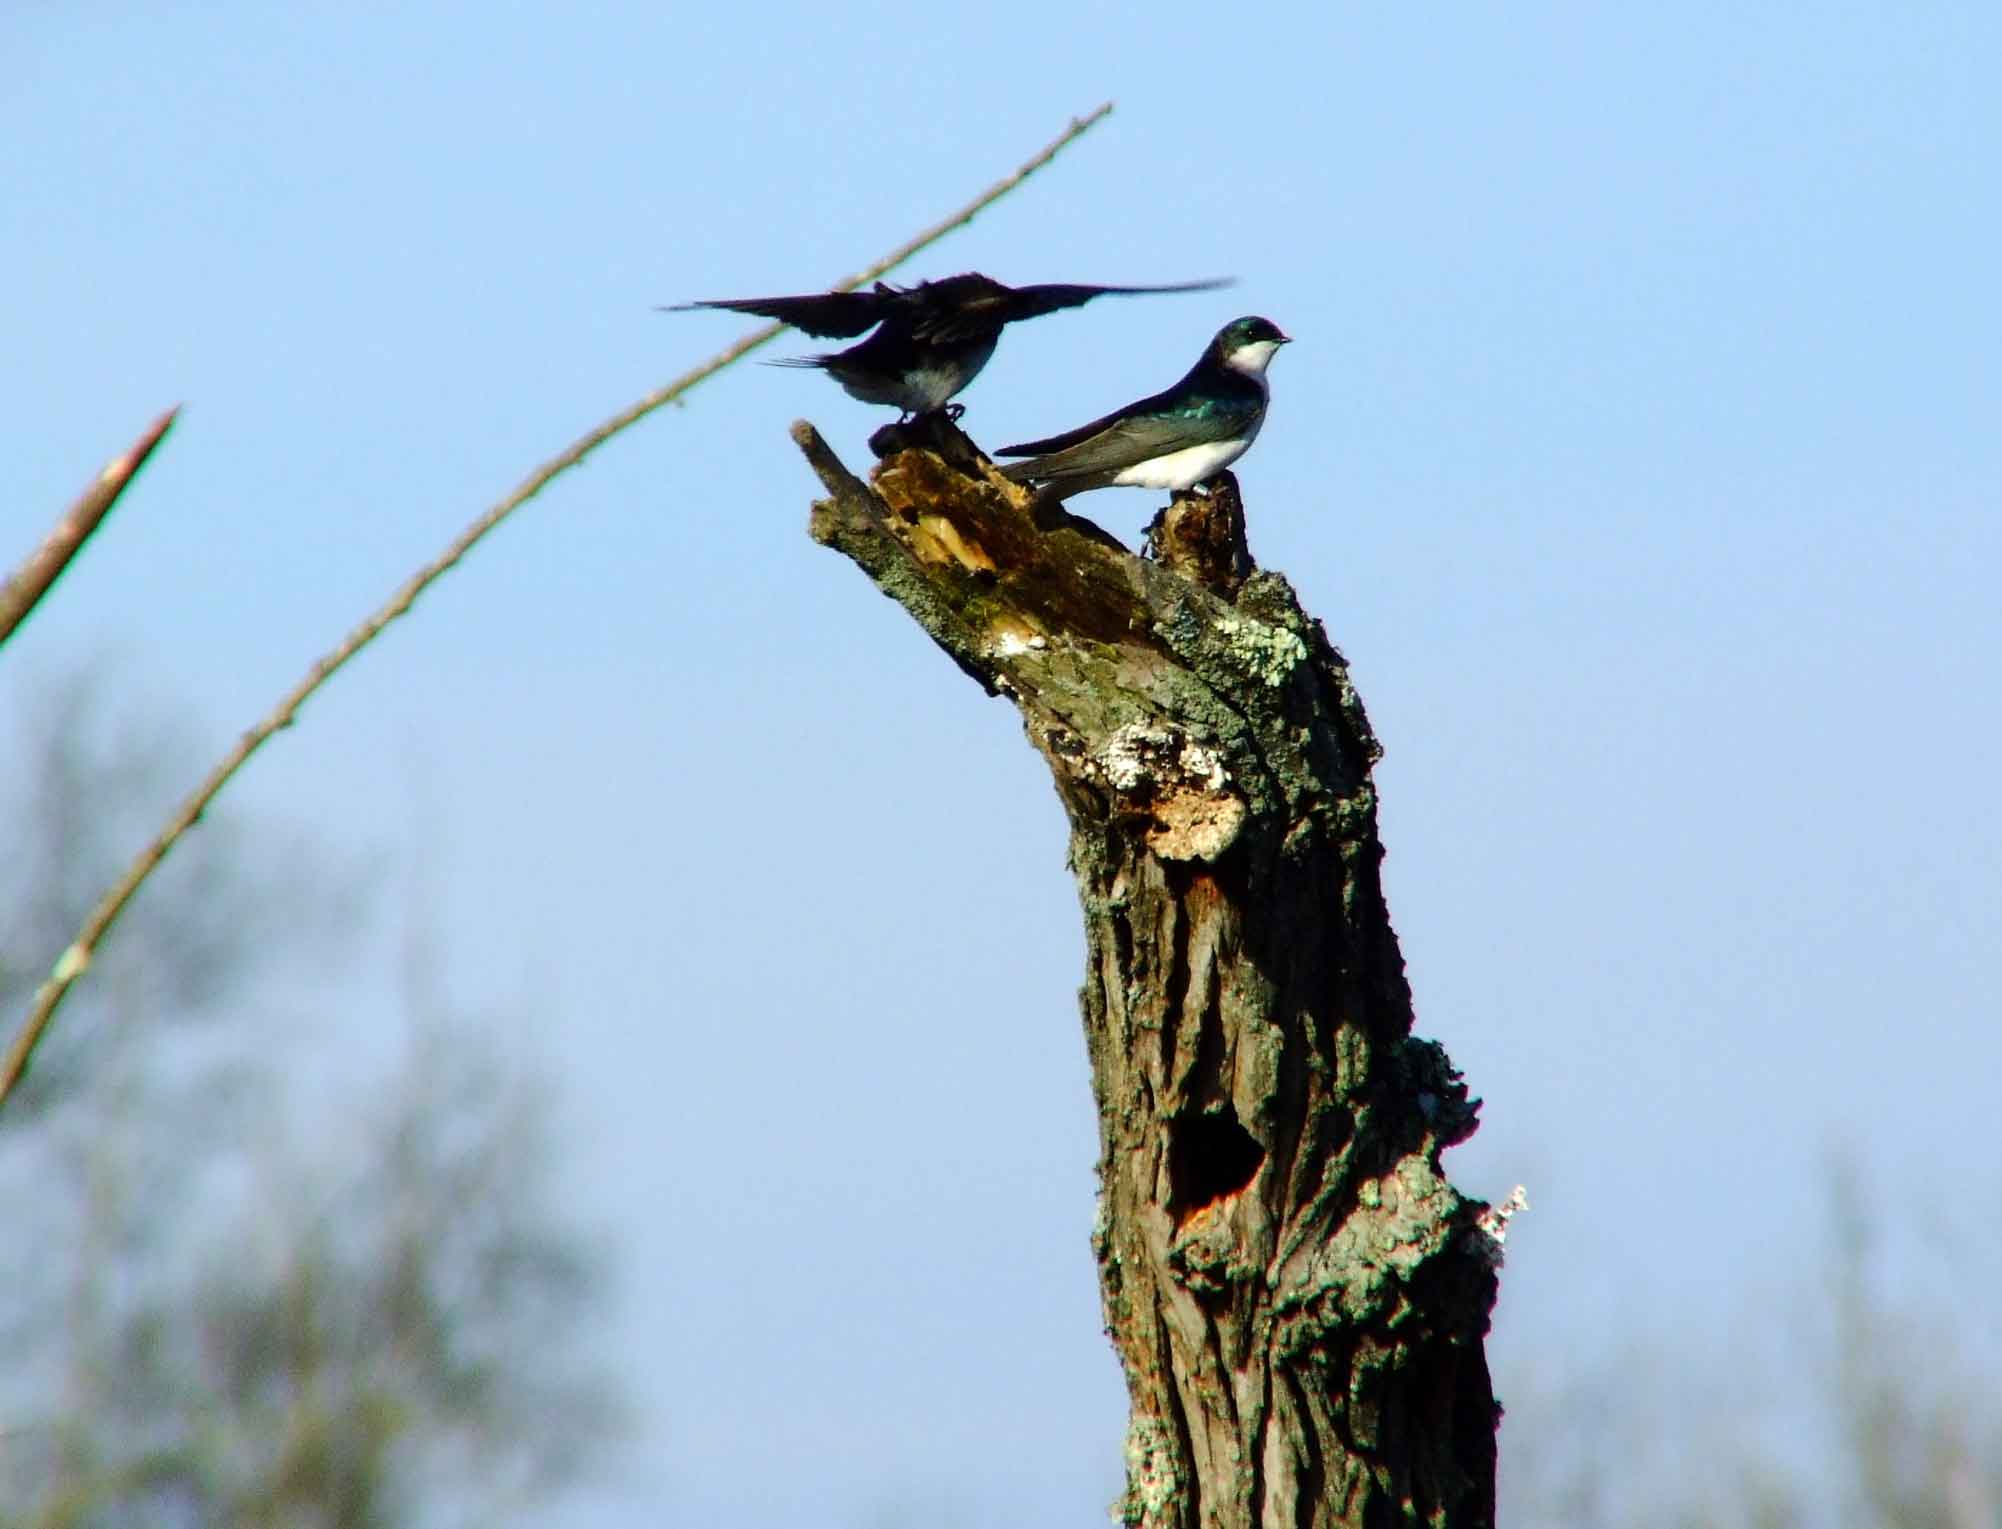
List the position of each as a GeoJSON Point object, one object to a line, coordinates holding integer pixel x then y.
{"type": "Point", "coordinates": [1173, 440]}
{"type": "Point", "coordinates": [933, 338]}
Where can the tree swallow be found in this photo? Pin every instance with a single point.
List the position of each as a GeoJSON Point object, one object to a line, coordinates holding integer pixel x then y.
{"type": "Point", "coordinates": [933, 338]}
{"type": "Point", "coordinates": [1176, 439]}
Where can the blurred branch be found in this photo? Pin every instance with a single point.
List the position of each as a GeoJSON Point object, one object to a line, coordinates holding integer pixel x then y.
{"type": "Point", "coordinates": [45, 564]}
{"type": "Point", "coordinates": [77, 958]}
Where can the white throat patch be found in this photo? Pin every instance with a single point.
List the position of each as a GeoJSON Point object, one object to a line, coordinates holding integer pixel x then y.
{"type": "Point", "coordinates": [1252, 359]}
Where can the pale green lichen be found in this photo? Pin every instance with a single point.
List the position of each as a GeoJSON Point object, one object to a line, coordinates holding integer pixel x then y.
{"type": "Point", "coordinates": [1152, 1480]}
{"type": "Point", "coordinates": [1366, 1269]}
{"type": "Point", "coordinates": [1269, 654]}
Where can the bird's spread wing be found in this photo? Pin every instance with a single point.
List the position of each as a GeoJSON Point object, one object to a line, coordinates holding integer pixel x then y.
{"type": "Point", "coordinates": [1034, 302]}
{"type": "Point", "coordinates": [827, 315]}
{"type": "Point", "coordinates": [955, 307]}
{"type": "Point", "coordinates": [1139, 433]}
{"type": "Point", "coordinates": [963, 306]}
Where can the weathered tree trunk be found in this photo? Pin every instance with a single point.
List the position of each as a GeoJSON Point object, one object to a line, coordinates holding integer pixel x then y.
{"type": "Point", "coordinates": [1298, 1296]}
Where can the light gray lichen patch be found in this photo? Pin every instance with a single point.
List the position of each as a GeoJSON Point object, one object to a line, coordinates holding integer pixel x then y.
{"type": "Point", "coordinates": [1491, 1225]}
{"type": "Point", "coordinates": [1269, 654]}
{"type": "Point", "coordinates": [1143, 755]}
{"type": "Point", "coordinates": [1182, 784]}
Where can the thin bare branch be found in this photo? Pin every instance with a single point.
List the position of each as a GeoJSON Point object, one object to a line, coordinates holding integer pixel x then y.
{"type": "Point", "coordinates": [77, 958]}
{"type": "Point", "coordinates": [65, 540]}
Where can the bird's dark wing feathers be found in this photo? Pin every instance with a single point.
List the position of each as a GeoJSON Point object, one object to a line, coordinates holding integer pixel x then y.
{"type": "Point", "coordinates": [988, 307]}
{"type": "Point", "coordinates": [826, 315]}
{"type": "Point", "coordinates": [1151, 428]}
{"type": "Point", "coordinates": [1034, 302]}
{"type": "Point", "coordinates": [955, 308]}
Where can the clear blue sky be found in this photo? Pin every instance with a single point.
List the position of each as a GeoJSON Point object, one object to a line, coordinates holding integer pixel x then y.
{"type": "Point", "coordinates": [1639, 447]}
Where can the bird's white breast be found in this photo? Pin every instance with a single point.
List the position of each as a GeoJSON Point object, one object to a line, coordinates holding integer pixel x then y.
{"type": "Point", "coordinates": [1188, 467]}
{"type": "Point", "coordinates": [925, 387]}
{"type": "Point", "coordinates": [929, 387]}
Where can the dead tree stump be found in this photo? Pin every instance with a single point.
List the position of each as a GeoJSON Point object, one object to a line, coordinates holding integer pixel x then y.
{"type": "Point", "coordinates": [1298, 1296]}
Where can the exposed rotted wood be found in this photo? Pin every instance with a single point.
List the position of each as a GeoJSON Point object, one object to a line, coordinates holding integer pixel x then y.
{"type": "Point", "coordinates": [1298, 1296]}
{"type": "Point", "coordinates": [1201, 536]}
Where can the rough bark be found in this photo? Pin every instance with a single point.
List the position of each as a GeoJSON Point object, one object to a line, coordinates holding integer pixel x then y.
{"type": "Point", "coordinates": [1298, 1296]}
